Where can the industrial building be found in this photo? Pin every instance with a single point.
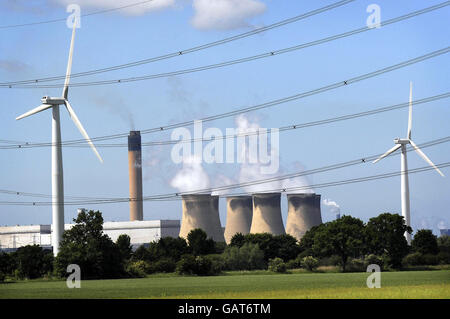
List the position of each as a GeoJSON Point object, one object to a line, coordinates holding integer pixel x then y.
{"type": "Point", "coordinates": [201, 211]}
{"type": "Point", "coordinates": [267, 214]}
{"type": "Point", "coordinates": [303, 213]}
{"type": "Point", "coordinates": [140, 232]}
{"type": "Point", "coordinates": [239, 216]}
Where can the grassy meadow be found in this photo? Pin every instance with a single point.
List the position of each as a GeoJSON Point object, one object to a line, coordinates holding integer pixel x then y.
{"type": "Point", "coordinates": [261, 284]}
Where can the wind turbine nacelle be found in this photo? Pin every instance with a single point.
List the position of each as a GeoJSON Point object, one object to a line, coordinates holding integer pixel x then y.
{"type": "Point", "coordinates": [52, 100]}
{"type": "Point", "coordinates": [401, 141]}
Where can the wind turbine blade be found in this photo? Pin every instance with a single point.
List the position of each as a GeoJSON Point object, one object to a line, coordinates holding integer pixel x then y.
{"type": "Point", "coordinates": [410, 111]}
{"type": "Point", "coordinates": [422, 154]}
{"type": "Point", "coordinates": [392, 150]}
{"type": "Point", "coordinates": [38, 109]}
{"type": "Point", "coordinates": [77, 122]}
{"type": "Point", "coordinates": [69, 63]}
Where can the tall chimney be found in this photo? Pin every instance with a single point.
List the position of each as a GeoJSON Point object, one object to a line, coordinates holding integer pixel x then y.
{"type": "Point", "coordinates": [267, 214]}
{"type": "Point", "coordinates": [135, 172]}
{"type": "Point", "coordinates": [303, 213]}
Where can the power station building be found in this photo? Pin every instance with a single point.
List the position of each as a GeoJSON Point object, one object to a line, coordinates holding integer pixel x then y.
{"type": "Point", "coordinates": [140, 232]}
{"type": "Point", "coordinates": [239, 216]}
{"type": "Point", "coordinates": [303, 213]}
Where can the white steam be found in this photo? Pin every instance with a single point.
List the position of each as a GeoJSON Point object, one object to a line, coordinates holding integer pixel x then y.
{"type": "Point", "coordinates": [334, 207]}
{"type": "Point", "coordinates": [191, 177]}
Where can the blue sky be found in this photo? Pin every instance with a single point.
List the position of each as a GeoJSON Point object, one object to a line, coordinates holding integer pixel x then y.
{"type": "Point", "coordinates": [123, 36]}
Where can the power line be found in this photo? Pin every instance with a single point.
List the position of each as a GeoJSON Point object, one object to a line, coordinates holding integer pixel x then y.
{"type": "Point", "coordinates": [280, 100]}
{"type": "Point", "coordinates": [225, 63]}
{"type": "Point", "coordinates": [193, 49]}
{"type": "Point", "coordinates": [445, 95]}
{"type": "Point", "coordinates": [83, 15]}
{"type": "Point", "coordinates": [94, 200]}
{"type": "Point", "coordinates": [284, 190]}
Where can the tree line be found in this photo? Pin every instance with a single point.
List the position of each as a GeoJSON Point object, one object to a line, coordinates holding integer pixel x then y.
{"type": "Point", "coordinates": [347, 243]}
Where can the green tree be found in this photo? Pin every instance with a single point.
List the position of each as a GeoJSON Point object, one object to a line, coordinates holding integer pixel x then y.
{"type": "Point", "coordinates": [86, 245]}
{"type": "Point", "coordinates": [123, 243]}
{"type": "Point", "coordinates": [385, 236]}
{"type": "Point", "coordinates": [199, 243]}
{"type": "Point", "coordinates": [344, 237]}
{"type": "Point", "coordinates": [237, 240]}
{"type": "Point", "coordinates": [32, 261]}
{"type": "Point", "coordinates": [168, 247]}
{"type": "Point", "coordinates": [247, 257]}
{"type": "Point", "coordinates": [425, 242]}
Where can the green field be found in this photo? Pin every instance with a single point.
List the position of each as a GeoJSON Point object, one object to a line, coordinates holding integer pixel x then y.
{"type": "Point", "coordinates": [404, 284]}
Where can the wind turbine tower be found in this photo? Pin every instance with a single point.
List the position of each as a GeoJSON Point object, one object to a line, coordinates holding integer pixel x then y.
{"type": "Point", "coordinates": [57, 165]}
{"type": "Point", "coordinates": [401, 144]}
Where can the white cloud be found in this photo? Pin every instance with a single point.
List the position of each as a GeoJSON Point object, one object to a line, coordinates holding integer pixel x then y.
{"type": "Point", "coordinates": [225, 14]}
{"type": "Point", "coordinates": [109, 4]}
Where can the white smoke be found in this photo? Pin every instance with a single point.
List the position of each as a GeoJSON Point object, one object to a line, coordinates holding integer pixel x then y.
{"type": "Point", "coordinates": [334, 207]}
{"type": "Point", "coordinates": [252, 172]}
{"type": "Point", "coordinates": [191, 177]}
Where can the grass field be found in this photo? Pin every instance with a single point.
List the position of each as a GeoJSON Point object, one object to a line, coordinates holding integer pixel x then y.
{"type": "Point", "coordinates": [405, 284]}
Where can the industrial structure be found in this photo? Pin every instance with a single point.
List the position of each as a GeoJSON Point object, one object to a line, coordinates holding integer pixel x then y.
{"type": "Point", "coordinates": [401, 144]}
{"type": "Point", "coordinates": [201, 211]}
{"type": "Point", "coordinates": [140, 232]}
{"type": "Point", "coordinates": [239, 216]}
{"type": "Point", "coordinates": [135, 175]}
{"type": "Point", "coordinates": [267, 214]}
{"type": "Point", "coordinates": [303, 213]}
{"type": "Point", "coordinates": [57, 164]}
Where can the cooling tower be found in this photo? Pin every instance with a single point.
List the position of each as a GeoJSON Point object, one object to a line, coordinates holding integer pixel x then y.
{"type": "Point", "coordinates": [239, 216]}
{"type": "Point", "coordinates": [303, 213]}
{"type": "Point", "coordinates": [135, 172]}
{"type": "Point", "coordinates": [267, 214]}
{"type": "Point", "coordinates": [201, 211]}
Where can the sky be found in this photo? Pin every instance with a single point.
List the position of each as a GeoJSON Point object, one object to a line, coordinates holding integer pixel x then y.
{"type": "Point", "coordinates": [166, 26]}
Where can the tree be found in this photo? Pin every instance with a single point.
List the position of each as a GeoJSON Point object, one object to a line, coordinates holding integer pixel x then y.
{"type": "Point", "coordinates": [123, 243]}
{"type": "Point", "coordinates": [344, 237]}
{"type": "Point", "coordinates": [425, 242]}
{"type": "Point", "coordinates": [168, 247]}
{"type": "Point", "coordinates": [199, 243]}
{"type": "Point", "coordinates": [32, 261]}
{"type": "Point", "coordinates": [86, 245]}
{"type": "Point", "coordinates": [237, 240]}
{"type": "Point", "coordinates": [287, 246]}
{"type": "Point", "coordinates": [444, 244]}
{"type": "Point", "coordinates": [247, 257]}
{"type": "Point", "coordinates": [385, 236]}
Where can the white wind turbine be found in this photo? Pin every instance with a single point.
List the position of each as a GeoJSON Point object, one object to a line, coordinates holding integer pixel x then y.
{"type": "Point", "coordinates": [401, 143]}
{"type": "Point", "coordinates": [57, 167]}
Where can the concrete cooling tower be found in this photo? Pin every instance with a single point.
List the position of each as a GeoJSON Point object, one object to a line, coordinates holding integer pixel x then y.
{"type": "Point", "coordinates": [201, 211]}
{"type": "Point", "coordinates": [135, 173]}
{"type": "Point", "coordinates": [303, 213]}
{"type": "Point", "coordinates": [239, 216]}
{"type": "Point", "coordinates": [267, 214]}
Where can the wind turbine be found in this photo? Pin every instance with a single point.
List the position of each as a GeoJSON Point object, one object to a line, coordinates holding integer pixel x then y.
{"type": "Point", "coordinates": [57, 166]}
{"type": "Point", "coordinates": [401, 143]}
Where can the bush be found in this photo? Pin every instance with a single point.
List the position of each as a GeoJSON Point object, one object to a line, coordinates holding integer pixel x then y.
{"type": "Point", "coordinates": [32, 261]}
{"type": "Point", "coordinates": [277, 265]}
{"type": "Point", "coordinates": [444, 244]}
{"type": "Point", "coordinates": [217, 263]}
{"type": "Point", "coordinates": [413, 259]}
{"type": "Point", "coordinates": [444, 258]}
{"type": "Point", "coordinates": [373, 260]}
{"type": "Point", "coordinates": [310, 263]}
{"type": "Point", "coordinates": [200, 265]}
{"type": "Point", "coordinates": [2, 277]}
{"type": "Point", "coordinates": [247, 257]}
{"type": "Point", "coordinates": [294, 263]}
{"type": "Point", "coordinates": [123, 243]}
{"type": "Point", "coordinates": [430, 259]}
{"type": "Point", "coordinates": [186, 265]}
{"type": "Point", "coordinates": [137, 269]}
{"type": "Point", "coordinates": [333, 260]}
{"type": "Point", "coordinates": [356, 265]}
{"type": "Point", "coordinates": [165, 265]}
